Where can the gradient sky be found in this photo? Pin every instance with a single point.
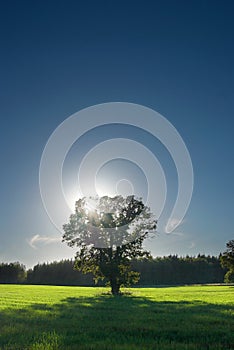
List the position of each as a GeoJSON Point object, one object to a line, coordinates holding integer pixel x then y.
{"type": "Point", "coordinates": [58, 57]}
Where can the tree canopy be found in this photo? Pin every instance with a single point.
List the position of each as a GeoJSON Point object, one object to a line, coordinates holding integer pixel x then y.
{"type": "Point", "coordinates": [12, 272]}
{"type": "Point", "coordinates": [109, 233]}
{"type": "Point", "coordinates": [227, 260]}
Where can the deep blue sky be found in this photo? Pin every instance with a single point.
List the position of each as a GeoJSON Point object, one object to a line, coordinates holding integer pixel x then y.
{"type": "Point", "coordinates": [58, 57]}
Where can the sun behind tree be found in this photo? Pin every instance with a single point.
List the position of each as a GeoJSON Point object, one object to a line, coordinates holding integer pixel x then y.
{"type": "Point", "coordinates": [109, 233]}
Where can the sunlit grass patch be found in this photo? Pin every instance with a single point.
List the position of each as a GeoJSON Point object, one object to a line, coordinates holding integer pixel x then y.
{"type": "Point", "coordinates": [49, 317]}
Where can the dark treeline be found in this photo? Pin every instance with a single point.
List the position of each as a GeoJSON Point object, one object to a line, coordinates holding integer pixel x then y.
{"type": "Point", "coordinates": [168, 270]}
{"type": "Point", "coordinates": [58, 273]}
{"type": "Point", "coordinates": [180, 270]}
{"type": "Point", "coordinates": [12, 273]}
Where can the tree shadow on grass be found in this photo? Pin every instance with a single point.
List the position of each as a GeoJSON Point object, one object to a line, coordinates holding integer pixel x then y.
{"type": "Point", "coordinates": [125, 322]}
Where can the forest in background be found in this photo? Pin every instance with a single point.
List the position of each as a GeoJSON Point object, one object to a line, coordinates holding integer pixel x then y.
{"type": "Point", "coordinates": [167, 270]}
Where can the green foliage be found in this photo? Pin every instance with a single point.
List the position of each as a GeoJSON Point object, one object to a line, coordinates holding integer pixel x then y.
{"type": "Point", "coordinates": [229, 277]}
{"type": "Point", "coordinates": [12, 273]}
{"type": "Point", "coordinates": [108, 237]}
{"type": "Point", "coordinates": [58, 273]}
{"type": "Point", "coordinates": [227, 261]}
{"type": "Point", "coordinates": [71, 318]}
{"type": "Point", "coordinates": [167, 270]}
{"type": "Point", "coordinates": [173, 270]}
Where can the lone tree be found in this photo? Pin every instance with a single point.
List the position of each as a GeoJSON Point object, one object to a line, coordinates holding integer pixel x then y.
{"type": "Point", "coordinates": [109, 233]}
{"type": "Point", "coordinates": [227, 260]}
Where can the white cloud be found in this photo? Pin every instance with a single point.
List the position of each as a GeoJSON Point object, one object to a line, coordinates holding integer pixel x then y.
{"type": "Point", "coordinates": [42, 239]}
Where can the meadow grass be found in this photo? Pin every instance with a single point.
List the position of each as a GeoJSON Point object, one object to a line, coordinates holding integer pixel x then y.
{"type": "Point", "coordinates": [54, 318]}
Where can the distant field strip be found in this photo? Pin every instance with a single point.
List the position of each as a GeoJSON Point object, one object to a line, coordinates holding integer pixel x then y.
{"type": "Point", "coordinates": [73, 318]}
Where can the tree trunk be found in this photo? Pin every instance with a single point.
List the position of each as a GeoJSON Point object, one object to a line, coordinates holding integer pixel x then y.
{"type": "Point", "coordinates": [115, 287]}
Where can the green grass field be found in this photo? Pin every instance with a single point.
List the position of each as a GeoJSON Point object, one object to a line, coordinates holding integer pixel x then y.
{"type": "Point", "coordinates": [50, 318]}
